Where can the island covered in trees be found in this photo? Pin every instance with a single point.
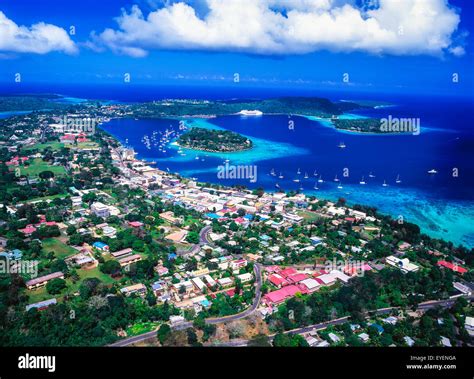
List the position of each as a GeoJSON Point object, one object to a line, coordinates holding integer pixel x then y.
{"type": "Point", "coordinates": [214, 140]}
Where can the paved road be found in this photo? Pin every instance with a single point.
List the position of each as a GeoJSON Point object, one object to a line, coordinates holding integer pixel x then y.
{"type": "Point", "coordinates": [422, 306]}
{"type": "Point", "coordinates": [211, 321]}
{"type": "Point", "coordinates": [251, 309]}
{"type": "Point", "coordinates": [323, 325]}
{"type": "Point", "coordinates": [203, 235]}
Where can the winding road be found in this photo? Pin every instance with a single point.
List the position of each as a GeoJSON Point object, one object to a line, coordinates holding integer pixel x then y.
{"type": "Point", "coordinates": [210, 321]}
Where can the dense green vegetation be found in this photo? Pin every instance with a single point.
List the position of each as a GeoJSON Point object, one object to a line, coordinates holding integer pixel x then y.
{"type": "Point", "coordinates": [363, 125]}
{"type": "Point", "coordinates": [29, 103]}
{"type": "Point", "coordinates": [311, 106]}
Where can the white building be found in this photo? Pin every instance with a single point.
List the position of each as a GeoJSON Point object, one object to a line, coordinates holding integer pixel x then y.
{"type": "Point", "coordinates": [469, 325]}
{"type": "Point", "coordinates": [100, 209]}
{"type": "Point", "coordinates": [224, 282]}
{"type": "Point", "coordinates": [403, 264]}
{"type": "Point", "coordinates": [198, 283]}
{"type": "Point", "coordinates": [247, 277]}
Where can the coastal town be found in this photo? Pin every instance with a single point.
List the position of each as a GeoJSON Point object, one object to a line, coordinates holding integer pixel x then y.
{"type": "Point", "coordinates": [128, 253]}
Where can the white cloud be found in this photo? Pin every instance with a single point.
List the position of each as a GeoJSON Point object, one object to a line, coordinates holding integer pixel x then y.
{"type": "Point", "coordinates": [40, 38]}
{"type": "Point", "coordinates": [396, 27]}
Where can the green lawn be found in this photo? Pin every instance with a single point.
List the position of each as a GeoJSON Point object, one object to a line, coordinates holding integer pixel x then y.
{"type": "Point", "coordinates": [38, 165]}
{"type": "Point", "coordinates": [60, 249]}
{"type": "Point", "coordinates": [52, 197]}
{"type": "Point", "coordinates": [308, 216]}
{"type": "Point", "coordinates": [142, 327]}
{"type": "Point", "coordinates": [95, 273]}
{"type": "Point", "coordinates": [53, 145]}
{"type": "Point", "coordinates": [86, 145]}
{"type": "Point", "coordinates": [39, 294]}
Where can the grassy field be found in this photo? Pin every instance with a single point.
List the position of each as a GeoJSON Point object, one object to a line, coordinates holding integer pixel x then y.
{"type": "Point", "coordinates": [86, 145]}
{"type": "Point", "coordinates": [142, 327]}
{"type": "Point", "coordinates": [95, 273]}
{"type": "Point", "coordinates": [38, 165]}
{"type": "Point", "coordinates": [38, 295]}
{"type": "Point", "coordinates": [44, 198]}
{"type": "Point", "coordinates": [308, 216]}
{"type": "Point", "coordinates": [41, 294]}
{"type": "Point", "coordinates": [53, 145]}
{"type": "Point", "coordinates": [59, 249]}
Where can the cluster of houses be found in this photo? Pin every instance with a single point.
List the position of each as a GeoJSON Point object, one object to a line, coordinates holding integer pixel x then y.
{"type": "Point", "coordinates": [289, 282]}
{"type": "Point", "coordinates": [193, 289]}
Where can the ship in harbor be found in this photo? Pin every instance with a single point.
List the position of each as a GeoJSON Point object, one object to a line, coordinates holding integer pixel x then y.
{"type": "Point", "coordinates": [245, 112]}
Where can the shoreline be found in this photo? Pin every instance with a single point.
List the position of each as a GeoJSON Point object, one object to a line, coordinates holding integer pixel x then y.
{"type": "Point", "coordinates": [350, 203]}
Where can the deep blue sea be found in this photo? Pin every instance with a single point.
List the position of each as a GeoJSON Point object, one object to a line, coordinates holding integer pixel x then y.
{"type": "Point", "coordinates": [442, 204]}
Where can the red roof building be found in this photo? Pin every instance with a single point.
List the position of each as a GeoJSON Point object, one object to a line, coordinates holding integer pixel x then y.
{"type": "Point", "coordinates": [296, 278]}
{"type": "Point", "coordinates": [452, 266]}
{"type": "Point", "coordinates": [15, 161]}
{"type": "Point", "coordinates": [287, 272]}
{"type": "Point", "coordinates": [279, 296]}
{"type": "Point", "coordinates": [277, 280]}
{"type": "Point", "coordinates": [355, 270]}
{"type": "Point", "coordinates": [30, 229]}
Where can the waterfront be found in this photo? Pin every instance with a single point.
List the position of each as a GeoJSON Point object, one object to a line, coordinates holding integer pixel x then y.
{"type": "Point", "coordinates": [441, 204]}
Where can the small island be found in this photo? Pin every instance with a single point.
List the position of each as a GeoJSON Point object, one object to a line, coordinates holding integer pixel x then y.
{"type": "Point", "coordinates": [363, 125]}
{"type": "Point", "coordinates": [216, 141]}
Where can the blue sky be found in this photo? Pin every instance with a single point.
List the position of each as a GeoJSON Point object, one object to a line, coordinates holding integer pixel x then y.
{"type": "Point", "coordinates": [291, 43]}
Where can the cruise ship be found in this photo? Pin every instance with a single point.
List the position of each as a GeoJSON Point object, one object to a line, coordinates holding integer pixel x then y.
{"type": "Point", "coordinates": [245, 112]}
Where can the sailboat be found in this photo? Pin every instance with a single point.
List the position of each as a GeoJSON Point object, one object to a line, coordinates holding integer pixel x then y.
{"type": "Point", "coordinates": [272, 173]}
{"type": "Point", "coordinates": [315, 173]}
{"type": "Point", "coordinates": [339, 186]}
{"type": "Point", "coordinates": [301, 188]}
{"type": "Point", "coordinates": [398, 180]}
{"type": "Point", "coordinates": [371, 175]}
{"type": "Point", "coordinates": [296, 180]}
{"type": "Point", "coordinates": [432, 171]}
{"type": "Point", "coordinates": [362, 181]}
{"type": "Point", "coordinates": [385, 183]}
{"type": "Point", "coordinates": [280, 176]}
{"type": "Point", "coordinates": [341, 145]}
{"type": "Point", "coordinates": [277, 186]}
{"type": "Point", "coordinates": [306, 175]}
{"type": "Point", "coordinates": [298, 172]}
{"type": "Point", "coordinates": [336, 178]}
{"type": "Point", "coordinates": [315, 186]}
{"type": "Point", "coordinates": [320, 180]}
